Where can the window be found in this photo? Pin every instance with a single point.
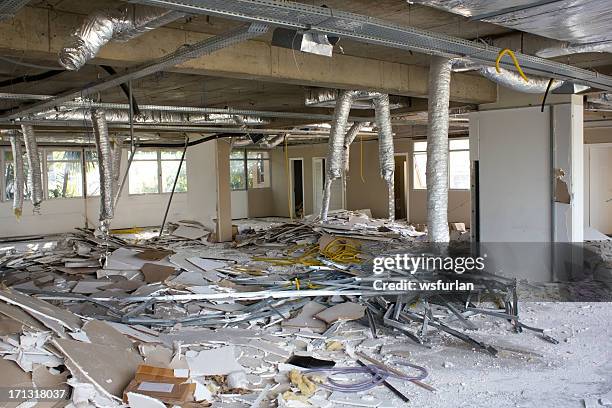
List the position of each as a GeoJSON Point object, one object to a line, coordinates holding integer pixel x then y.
{"type": "Point", "coordinates": [92, 174]}
{"type": "Point", "coordinates": [258, 169]}
{"type": "Point", "coordinates": [64, 174]}
{"type": "Point", "coordinates": [9, 176]}
{"type": "Point", "coordinates": [459, 165]}
{"type": "Point", "coordinates": [154, 171]}
{"type": "Point", "coordinates": [249, 169]}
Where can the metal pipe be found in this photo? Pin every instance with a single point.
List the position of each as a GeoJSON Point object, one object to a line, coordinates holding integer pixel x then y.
{"type": "Point", "coordinates": [18, 175]}
{"type": "Point", "coordinates": [103, 26]}
{"type": "Point", "coordinates": [386, 157]}
{"type": "Point", "coordinates": [334, 163]}
{"type": "Point", "coordinates": [437, 149]}
{"type": "Point", "coordinates": [178, 173]}
{"type": "Point", "coordinates": [105, 167]}
{"type": "Point", "coordinates": [34, 175]}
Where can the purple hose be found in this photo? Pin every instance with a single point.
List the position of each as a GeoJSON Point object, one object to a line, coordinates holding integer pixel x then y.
{"type": "Point", "coordinates": [378, 375]}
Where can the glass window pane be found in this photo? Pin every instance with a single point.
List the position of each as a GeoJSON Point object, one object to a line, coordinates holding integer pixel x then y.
{"type": "Point", "coordinates": [63, 155]}
{"type": "Point", "coordinates": [254, 154]}
{"type": "Point", "coordinates": [237, 154]}
{"type": "Point", "coordinates": [258, 173]}
{"type": "Point", "coordinates": [143, 177]}
{"type": "Point", "coordinates": [237, 176]}
{"type": "Point", "coordinates": [169, 169]}
{"type": "Point", "coordinates": [92, 178]}
{"type": "Point", "coordinates": [420, 146]}
{"type": "Point", "coordinates": [418, 172]}
{"type": "Point", "coordinates": [64, 179]}
{"type": "Point", "coordinates": [459, 163]}
{"type": "Point", "coordinates": [461, 144]}
{"type": "Point", "coordinates": [171, 154]}
{"type": "Point", "coordinates": [145, 155]}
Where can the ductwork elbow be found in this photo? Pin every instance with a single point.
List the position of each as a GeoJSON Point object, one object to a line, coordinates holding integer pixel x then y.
{"type": "Point", "coordinates": [103, 26]}
{"type": "Point", "coordinates": [511, 80]}
{"type": "Point", "coordinates": [273, 141]}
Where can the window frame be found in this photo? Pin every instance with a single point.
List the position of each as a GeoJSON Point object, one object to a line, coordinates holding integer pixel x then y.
{"type": "Point", "coordinates": [159, 160]}
{"type": "Point", "coordinates": [245, 167]}
{"type": "Point", "coordinates": [415, 152]}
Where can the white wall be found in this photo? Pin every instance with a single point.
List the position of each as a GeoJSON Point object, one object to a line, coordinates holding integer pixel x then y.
{"type": "Point", "coordinates": [63, 215]}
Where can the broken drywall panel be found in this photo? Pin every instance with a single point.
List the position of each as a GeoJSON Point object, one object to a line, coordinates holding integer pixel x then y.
{"type": "Point", "coordinates": [134, 332]}
{"type": "Point", "coordinates": [342, 311]}
{"type": "Point", "coordinates": [40, 308]}
{"type": "Point", "coordinates": [562, 194]}
{"type": "Point", "coordinates": [100, 332]}
{"type": "Point", "coordinates": [206, 264]}
{"type": "Point", "coordinates": [13, 376]}
{"type": "Point", "coordinates": [189, 232]}
{"type": "Point", "coordinates": [156, 354]}
{"type": "Point", "coordinates": [28, 350]}
{"type": "Point", "coordinates": [220, 361]}
{"type": "Point", "coordinates": [136, 400]}
{"type": "Point", "coordinates": [109, 368]}
{"type": "Point", "coordinates": [190, 279]}
{"type": "Point", "coordinates": [21, 316]}
{"type": "Point", "coordinates": [306, 319]}
{"type": "Point", "coordinates": [156, 273]}
{"type": "Point", "coordinates": [127, 259]}
{"type": "Point", "coordinates": [128, 274]}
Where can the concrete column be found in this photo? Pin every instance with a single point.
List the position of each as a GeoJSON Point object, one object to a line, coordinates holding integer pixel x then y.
{"type": "Point", "coordinates": [224, 197]}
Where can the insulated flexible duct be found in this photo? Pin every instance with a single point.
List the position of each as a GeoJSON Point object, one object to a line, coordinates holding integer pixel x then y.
{"type": "Point", "coordinates": [34, 175]}
{"type": "Point", "coordinates": [569, 49]}
{"type": "Point", "coordinates": [150, 116]}
{"type": "Point", "coordinates": [105, 25]}
{"type": "Point", "coordinates": [18, 175]}
{"type": "Point", "coordinates": [335, 154]}
{"type": "Point", "coordinates": [437, 149]}
{"type": "Point", "coordinates": [386, 159]}
{"type": "Point", "coordinates": [272, 142]}
{"type": "Point", "coordinates": [515, 82]}
{"type": "Point", "coordinates": [348, 140]}
{"type": "Point", "coordinates": [105, 167]}
{"type": "Point", "coordinates": [116, 155]}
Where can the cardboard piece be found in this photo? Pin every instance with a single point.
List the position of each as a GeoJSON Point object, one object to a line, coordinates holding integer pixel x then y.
{"type": "Point", "coordinates": [156, 273]}
{"type": "Point", "coordinates": [162, 384]}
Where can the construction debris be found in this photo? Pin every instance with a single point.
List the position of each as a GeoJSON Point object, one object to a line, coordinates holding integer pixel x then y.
{"type": "Point", "coordinates": [285, 315]}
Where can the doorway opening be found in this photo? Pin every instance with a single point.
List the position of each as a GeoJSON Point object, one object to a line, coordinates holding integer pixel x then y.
{"type": "Point", "coordinates": [400, 178]}
{"type": "Point", "coordinates": [297, 187]}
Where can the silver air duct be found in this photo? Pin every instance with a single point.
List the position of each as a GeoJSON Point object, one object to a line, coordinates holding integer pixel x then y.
{"type": "Point", "coordinates": [18, 176]}
{"type": "Point", "coordinates": [103, 26]}
{"type": "Point", "coordinates": [437, 149]}
{"type": "Point", "coordinates": [105, 167]}
{"type": "Point", "coordinates": [116, 155]}
{"type": "Point", "coordinates": [569, 49]}
{"type": "Point", "coordinates": [272, 142]}
{"type": "Point", "coordinates": [150, 116]}
{"type": "Point", "coordinates": [515, 82]}
{"type": "Point", "coordinates": [348, 140]}
{"type": "Point", "coordinates": [386, 159]}
{"type": "Point", "coordinates": [34, 175]}
{"type": "Point", "coordinates": [334, 162]}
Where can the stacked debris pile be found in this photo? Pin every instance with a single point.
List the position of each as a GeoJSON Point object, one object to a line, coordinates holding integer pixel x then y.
{"type": "Point", "coordinates": [285, 316]}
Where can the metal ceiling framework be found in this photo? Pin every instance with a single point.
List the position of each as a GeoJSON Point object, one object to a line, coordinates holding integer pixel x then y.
{"type": "Point", "coordinates": [181, 55]}
{"type": "Point", "coordinates": [375, 31]}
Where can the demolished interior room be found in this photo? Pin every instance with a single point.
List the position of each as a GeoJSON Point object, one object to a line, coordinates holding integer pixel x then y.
{"type": "Point", "coordinates": [265, 203]}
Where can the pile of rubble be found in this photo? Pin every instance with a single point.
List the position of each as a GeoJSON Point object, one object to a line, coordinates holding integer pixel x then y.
{"type": "Point", "coordinates": [285, 315]}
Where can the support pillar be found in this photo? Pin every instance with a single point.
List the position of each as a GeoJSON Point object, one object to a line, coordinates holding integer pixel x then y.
{"type": "Point", "coordinates": [224, 198]}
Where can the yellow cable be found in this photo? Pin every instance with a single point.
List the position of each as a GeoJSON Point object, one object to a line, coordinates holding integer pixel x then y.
{"type": "Point", "coordinates": [361, 158]}
{"type": "Point", "coordinates": [516, 63]}
{"type": "Point", "coordinates": [297, 283]}
{"type": "Point", "coordinates": [287, 175]}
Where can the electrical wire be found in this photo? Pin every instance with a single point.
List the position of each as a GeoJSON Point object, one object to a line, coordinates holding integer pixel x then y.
{"type": "Point", "coordinates": [546, 94]}
{"type": "Point", "coordinates": [514, 59]}
{"type": "Point", "coordinates": [377, 375]}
